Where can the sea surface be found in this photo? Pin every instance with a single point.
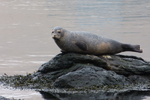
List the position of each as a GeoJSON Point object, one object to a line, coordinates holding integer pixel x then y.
{"type": "Point", "coordinates": [26, 25]}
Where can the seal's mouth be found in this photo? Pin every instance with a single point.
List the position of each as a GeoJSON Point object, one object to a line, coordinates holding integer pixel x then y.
{"type": "Point", "coordinates": [55, 37]}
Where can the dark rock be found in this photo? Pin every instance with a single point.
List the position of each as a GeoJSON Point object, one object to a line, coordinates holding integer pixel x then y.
{"type": "Point", "coordinates": [79, 70]}
{"type": "Point", "coordinates": [128, 95]}
{"type": "Point", "coordinates": [86, 73]}
{"type": "Point", "coordinates": [3, 98]}
{"type": "Point", "coordinates": [89, 75]}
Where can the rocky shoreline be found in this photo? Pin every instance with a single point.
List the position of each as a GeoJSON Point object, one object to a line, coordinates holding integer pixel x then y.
{"type": "Point", "coordinates": [76, 73]}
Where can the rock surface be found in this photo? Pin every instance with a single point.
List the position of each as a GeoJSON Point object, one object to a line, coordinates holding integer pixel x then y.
{"type": "Point", "coordinates": [71, 70]}
{"type": "Point", "coordinates": [128, 95]}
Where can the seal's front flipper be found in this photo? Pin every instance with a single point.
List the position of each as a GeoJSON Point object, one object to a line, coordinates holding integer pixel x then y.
{"type": "Point", "coordinates": [82, 45]}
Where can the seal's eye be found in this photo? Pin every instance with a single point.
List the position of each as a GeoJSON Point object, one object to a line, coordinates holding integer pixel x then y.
{"type": "Point", "coordinates": [59, 31]}
{"type": "Point", "coordinates": [52, 31]}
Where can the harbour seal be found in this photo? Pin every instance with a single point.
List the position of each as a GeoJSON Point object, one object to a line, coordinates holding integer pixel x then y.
{"type": "Point", "coordinates": [89, 43]}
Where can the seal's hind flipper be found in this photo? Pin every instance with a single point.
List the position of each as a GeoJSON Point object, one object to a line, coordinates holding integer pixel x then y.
{"type": "Point", "coordinates": [82, 45]}
{"type": "Point", "coordinates": [134, 48]}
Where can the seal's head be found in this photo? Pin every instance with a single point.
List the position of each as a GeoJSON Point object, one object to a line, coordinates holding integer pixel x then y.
{"type": "Point", "coordinates": [58, 33]}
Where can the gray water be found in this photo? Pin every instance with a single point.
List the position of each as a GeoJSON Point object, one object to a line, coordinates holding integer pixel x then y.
{"type": "Point", "coordinates": [25, 30]}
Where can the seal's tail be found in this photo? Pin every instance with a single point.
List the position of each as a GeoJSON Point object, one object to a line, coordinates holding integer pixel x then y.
{"type": "Point", "coordinates": [134, 48]}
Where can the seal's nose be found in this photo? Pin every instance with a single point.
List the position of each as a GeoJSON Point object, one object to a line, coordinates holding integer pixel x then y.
{"type": "Point", "coordinates": [53, 35]}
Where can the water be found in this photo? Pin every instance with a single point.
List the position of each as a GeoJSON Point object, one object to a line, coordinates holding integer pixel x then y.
{"type": "Point", "coordinates": [25, 29]}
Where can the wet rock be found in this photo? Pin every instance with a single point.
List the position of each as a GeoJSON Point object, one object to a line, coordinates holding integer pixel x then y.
{"type": "Point", "coordinates": [128, 95]}
{"type": "Point", "coordinates": [79, 70]}
{"type": "Point", "coordinates": [86, 73]}
{"type": "Point", "coordinates": [89, 75]}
